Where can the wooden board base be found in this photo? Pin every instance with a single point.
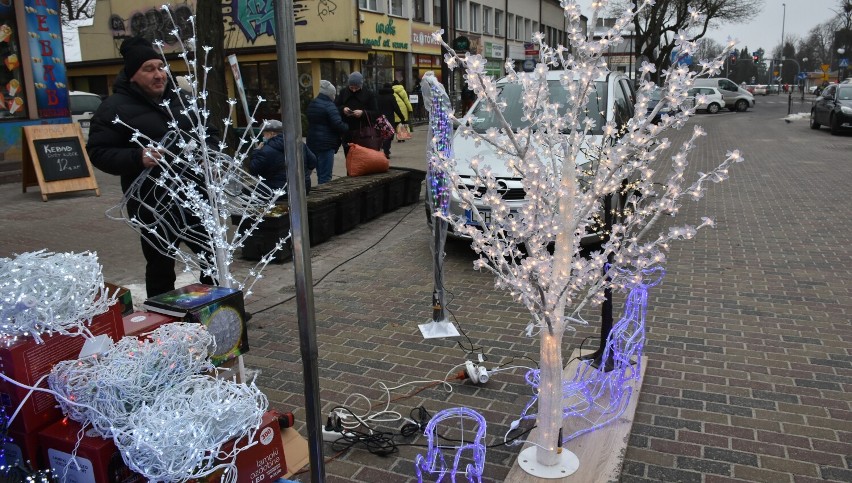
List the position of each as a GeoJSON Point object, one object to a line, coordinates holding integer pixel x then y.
{"type": "Point", "coordinates": [601, 452]}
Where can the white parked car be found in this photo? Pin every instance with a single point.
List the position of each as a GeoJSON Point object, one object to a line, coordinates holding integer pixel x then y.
{"type": "Point", "coordinates": [83, 107]}
{"type": "Point", "coordinates": [614, 97]}
{"type": "Point", "coordinates": [707, 98]}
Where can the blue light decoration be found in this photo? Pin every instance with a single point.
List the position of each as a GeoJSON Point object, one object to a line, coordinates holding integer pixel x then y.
{"type": "Point", "coordinates": [438, 152]}
{"type": "Point", "coordinates": [596, 395]}
{"type": "Point", "coordinates": [467, 421]}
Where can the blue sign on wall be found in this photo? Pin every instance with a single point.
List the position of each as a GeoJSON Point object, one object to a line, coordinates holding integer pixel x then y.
{"type": "Point", "coordinates": [44, 35]}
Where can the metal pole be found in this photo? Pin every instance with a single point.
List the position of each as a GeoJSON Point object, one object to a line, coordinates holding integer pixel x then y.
{"type": "Point", "coordinates": [781, 64]}
{"type": "Point", "coordinates": [291, 117]}
{"type": "Point", "coordinates": [445, 26]}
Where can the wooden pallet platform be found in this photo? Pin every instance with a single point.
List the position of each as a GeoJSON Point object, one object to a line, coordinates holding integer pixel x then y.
{"type": "Point", "coordinates": [601, 453]}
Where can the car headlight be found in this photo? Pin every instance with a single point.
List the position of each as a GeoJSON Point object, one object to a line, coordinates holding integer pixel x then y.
{"type": "Point", "coordinates": [846, 110]}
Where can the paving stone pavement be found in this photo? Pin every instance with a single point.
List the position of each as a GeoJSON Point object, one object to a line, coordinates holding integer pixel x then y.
{"type": "Point", "coordinates": [749, 339]}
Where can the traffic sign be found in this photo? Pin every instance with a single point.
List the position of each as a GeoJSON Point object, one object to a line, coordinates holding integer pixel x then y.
{"type": "Point", "coordinates": [803, 75]}
{"type": "Point", "coordinates": [844, 62]}
{"type": "Point", "coordinates": [825, 67]}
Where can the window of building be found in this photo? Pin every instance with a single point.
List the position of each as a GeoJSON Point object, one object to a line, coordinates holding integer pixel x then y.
{"type": "Point", "coordinates": [420, 10]}
{"type": "Point", "coordinates": [519, 29]}
{"type": "Point", "coordinates": [498, 22]}
{"type": "Point", "coordinates": [369, 5]}
{"type": "Point", "coordinates": [511, 29]}
{"type": "Point", "coordinates": [527, 30]}
{"type": "Point", "coordinates": [397, 8]}
{"type": "Point", "coordinates": [474, 17]}
{"type": "Point", "coordinates": [461, 14]}
{"type": "Point", "coordinates": [486, 20]}
{"type": "Point", "coordinates": [534, 28]}
{"type": "Point", "coordinates": [436, 12]}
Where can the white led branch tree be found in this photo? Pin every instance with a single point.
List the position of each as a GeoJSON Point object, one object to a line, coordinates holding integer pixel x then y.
{"type": "Point", "coordinates": [202, 186]}
{"type": "Point", "coordinates": [572, 166]}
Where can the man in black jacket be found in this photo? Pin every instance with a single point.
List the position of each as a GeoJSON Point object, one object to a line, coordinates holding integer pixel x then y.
{"type": "Point", "coordinates": [358, 108]}
{"type": "Point", "coordinates": [138, 93]}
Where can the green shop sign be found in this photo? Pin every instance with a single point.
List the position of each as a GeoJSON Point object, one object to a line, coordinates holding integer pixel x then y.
{"type": "Point", "coordinates": [383, 31]}
{"type": "Point", "coordinates": [461, 43]}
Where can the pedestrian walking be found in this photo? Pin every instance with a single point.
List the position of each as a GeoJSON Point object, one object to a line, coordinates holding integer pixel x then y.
{"type": "Point", "coordinates": [139, 93]}
{"type": "Point", "coordinates": [404, 105]}
{"type": "Point", "coordinates": [389, 107]}
{"type": "Point", "coordinates": [358, 108]}
{"type": "Point", "coordinates": [325, 129]}
{"type": "Point", "coordinates": [270, 163]}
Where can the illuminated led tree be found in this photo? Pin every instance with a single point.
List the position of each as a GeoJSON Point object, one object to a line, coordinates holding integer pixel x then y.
{"type": "Point", "coordinates": [568, 175]}
{"type": "Point", "coordinates": [198, 183]}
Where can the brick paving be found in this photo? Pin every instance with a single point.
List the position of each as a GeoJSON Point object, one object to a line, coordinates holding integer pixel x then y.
{"type": "Point", "coordinates": [749, 343]}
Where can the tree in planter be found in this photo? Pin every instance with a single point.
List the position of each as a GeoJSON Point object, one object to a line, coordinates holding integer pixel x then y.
{"type": "Point", "coordinates": [201, 186]}
{"type": "Point", "coordinates": [568, 176]}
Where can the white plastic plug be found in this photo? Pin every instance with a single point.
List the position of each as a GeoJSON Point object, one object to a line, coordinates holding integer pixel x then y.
{"type": "Point", "coordinates": [476, 373]}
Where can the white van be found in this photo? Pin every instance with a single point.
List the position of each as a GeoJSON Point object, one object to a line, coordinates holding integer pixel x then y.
{"type": "Point", "coordinates": [736, 97]}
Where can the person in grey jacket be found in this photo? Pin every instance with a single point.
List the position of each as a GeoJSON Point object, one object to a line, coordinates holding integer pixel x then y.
{"type": "Point", "coordinates": [325, 128]}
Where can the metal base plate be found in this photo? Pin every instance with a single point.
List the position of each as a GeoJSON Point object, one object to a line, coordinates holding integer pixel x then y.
{"type": "Point", "coordinates": [567, 465]}
{"type": "Point", "coordinates": [438, 330]}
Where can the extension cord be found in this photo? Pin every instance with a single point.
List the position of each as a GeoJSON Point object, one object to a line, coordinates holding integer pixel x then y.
{"type": "Point", "coordinates": [332, 436]}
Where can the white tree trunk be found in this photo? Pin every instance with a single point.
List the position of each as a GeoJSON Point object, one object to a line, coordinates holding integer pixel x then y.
{"type": "Point", "coordinates": [550, 394]}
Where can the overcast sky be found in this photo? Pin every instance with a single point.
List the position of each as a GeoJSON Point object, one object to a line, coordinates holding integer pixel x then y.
{"type": "Point", "coordinates": [764, 30]}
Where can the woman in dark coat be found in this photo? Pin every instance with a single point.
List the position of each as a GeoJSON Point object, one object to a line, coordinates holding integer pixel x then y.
{"type": "Point", "coordinates": [325, 129]}
{"type": "Point", "coordinates": [388, 107]}
{"type": "Point", "coordinates": [357, 106]}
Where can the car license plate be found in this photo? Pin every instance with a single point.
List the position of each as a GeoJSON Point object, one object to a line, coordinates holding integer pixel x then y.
{"type": "Point", "coordinates": [485, 213]}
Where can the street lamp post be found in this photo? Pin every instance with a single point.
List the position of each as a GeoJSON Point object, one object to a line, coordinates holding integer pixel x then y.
{"type": "Point", "coordinates": [804, 83]}
{"type": "Point", "coordinates": [781, 64]}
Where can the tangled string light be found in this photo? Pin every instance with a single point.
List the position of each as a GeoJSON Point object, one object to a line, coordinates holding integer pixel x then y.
{"type": "Point", "coordinates": [105, 390]}
{"type": "Point", "coordinates": [170, 422]}
{"type": "Point", "coordinates": [184, 433]}
{"type": "Point", "coordinates": [197, 188]}
{"type": "Point", "coordinates": [599, 395]}
{"type": "Point", "coordinates": [466, 421]}
{"type": "Point", "coordinates": [44, 292]}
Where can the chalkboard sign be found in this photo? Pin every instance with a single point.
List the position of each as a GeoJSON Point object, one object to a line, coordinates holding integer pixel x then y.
{"type": "Point", "coordinates": [61, 158]}
{"type": "Point", "coordinates": [55, 160]}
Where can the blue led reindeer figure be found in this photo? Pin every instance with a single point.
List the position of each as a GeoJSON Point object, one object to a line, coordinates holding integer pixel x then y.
{"type": "Point", "coordinates": [597, 396]}
{"type": "Point", "coordinates": [473, 451]}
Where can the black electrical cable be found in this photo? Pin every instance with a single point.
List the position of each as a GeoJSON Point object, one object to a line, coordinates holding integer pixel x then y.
{"type": "Point", "coordinates": [317, 282]}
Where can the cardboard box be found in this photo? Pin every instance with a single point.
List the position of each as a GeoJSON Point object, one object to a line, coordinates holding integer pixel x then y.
{"type": "Point", "coordinates": [295, 450]}
{"type": "Point", "coordinates": [125, 298]}
{"type": "Point", "coordinates": [263, 462]}
{"type": "Point", "coordinates": [139, 323]}
{"type": "Point", "coordinates": [26, 361]}
{"type": "Point", "coordinates": [220, 309]}
{"type": "Point", "coordinates": [98, 458]}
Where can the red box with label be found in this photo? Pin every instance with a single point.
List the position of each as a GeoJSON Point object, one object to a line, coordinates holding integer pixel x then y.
{"type": "Point", "coordinates": [26, 361]}
{"type": "Point", "coordinates": [99, 459]}
{"type": "Point", "coordinates": [139, 323]}
{"type": "Point", "coordinates": [262, 463]}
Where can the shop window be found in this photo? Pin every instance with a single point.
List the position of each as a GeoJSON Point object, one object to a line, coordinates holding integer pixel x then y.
{"type": "Point", "coordinates": [336, 71]}
{"type": "Point", "coordinates": [378, 70]}
{"type": "Point", "coordinates": [12, 94]}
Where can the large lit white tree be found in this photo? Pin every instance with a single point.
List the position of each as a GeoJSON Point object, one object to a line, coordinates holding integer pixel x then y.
{"type": "Point", "coordinates": [567, 174]}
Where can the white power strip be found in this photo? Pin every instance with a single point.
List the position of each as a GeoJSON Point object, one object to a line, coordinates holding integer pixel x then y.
{"type": "Point", "coordinates": [332, 436]}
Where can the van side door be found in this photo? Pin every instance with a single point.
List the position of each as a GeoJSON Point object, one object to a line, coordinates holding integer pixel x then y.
{"type": "Point", "coordinates": [730, 92]}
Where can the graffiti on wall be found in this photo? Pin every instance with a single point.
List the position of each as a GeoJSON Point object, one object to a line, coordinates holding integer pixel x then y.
{"type": "Point", "coordinates": [153, 24]}
{"type": "Point", "coordinates": [256, 18]}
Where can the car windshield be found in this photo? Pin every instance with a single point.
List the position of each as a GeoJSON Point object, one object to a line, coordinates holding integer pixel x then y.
{"type": "Point", "coordinates": [483, 119]}
{"type": "Point", "coordinates": [845, 93]}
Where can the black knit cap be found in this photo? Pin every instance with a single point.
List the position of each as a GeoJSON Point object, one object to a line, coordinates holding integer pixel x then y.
{"type": "Point", "coordinates": [136, 51]}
